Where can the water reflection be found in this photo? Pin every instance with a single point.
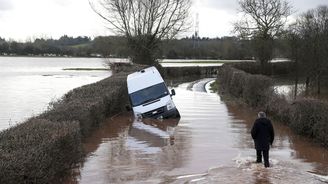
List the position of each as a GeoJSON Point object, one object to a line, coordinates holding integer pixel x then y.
{"type": "Point", "coordinates": [290, 152]}
{"type": "Point", "coordinates": [28, 84]}
{"type": "Point", "coordinates": [285, 86]}
{"type": "Point", "coordinates": [210, 144]}
{"type": "Point", "coordinates": [155, 132]}
{"type": "Point", "coordinates": [126, 150]}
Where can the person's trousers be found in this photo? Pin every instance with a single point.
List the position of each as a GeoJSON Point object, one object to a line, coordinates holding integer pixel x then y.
{"type": "Point", "coordinates": [265, 157]}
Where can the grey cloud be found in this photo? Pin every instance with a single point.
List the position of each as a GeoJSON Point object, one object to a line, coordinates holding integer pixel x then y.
{"type": "Point", "coordinates": [228, 5]}
{"type": "Point", "coordinates": [5, 5]}
{"type": "Point", "coordinates": [300, 6]}
{"type": "Point", "coordinates": [62, 2]}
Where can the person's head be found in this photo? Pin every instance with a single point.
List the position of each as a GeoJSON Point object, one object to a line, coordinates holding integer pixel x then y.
{"type": "Point", "coordinates": [261, 114]}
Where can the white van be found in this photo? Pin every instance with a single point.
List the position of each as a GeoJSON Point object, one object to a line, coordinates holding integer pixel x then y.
{"type": "Point", "coordinates": [149, 96]}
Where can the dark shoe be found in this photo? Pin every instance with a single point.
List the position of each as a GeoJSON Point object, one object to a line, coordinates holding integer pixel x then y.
{"type": "Point", "coordinates": [266, 165]}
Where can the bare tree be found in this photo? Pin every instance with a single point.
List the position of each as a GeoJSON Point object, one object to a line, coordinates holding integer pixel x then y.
{"type": "Point", "coordinates": [313, 31]}
{"type": "Point", "coordinates": [294, 42]}
{"type": "Point", "coordinates": [144, 23]}
{"type": "Point", "coordinates": [263, 21]}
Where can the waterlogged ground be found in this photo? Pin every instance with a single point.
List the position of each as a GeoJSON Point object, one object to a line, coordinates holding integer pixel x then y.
{"type": "Point", "coordinates": [210, 144]}
{"type": "Point", "coordinates": [28, 84]}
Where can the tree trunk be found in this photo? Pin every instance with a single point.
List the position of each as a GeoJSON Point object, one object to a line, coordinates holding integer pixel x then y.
{"type": "Point", "coordinates": [296, 79]}
{"type": "Point", "coordinates": [142, 56]}
{"type": "Point", "coordinates": [262, 66]}
{"type": "Point", "coordinates": [307, 83]}
{"type": "Point", "coordinates": [263, 50]}
{"type": "Point", "coordinates": [318, 84]}
{"type": "Point", "coordinates": [144, 49]}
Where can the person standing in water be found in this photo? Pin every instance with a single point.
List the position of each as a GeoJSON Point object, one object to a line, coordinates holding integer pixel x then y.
{"type": "Point", "coordinates": [263, 135]}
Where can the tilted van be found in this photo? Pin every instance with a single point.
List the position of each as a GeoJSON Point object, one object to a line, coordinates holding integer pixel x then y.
{"type": "Point", "coordinates": [149, 95]}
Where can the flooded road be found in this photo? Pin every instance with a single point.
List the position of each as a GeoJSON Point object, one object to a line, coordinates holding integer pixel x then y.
{"type": "Point", "coordinates": [210, 144]}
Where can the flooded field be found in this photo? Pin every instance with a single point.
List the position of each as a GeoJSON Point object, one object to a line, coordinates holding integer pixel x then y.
{"type": "Point", "coordinates": [285, 85]}
{"type": "Point", "coordinates": [28, 84]}
{"type": "Point", "coordinates": [195, 62]}
{"type": "Point", "coordinates": [210, 144]}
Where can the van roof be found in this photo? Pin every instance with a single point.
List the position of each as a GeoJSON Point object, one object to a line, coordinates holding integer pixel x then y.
{"type": "Point", "coordinates": [143, 79]}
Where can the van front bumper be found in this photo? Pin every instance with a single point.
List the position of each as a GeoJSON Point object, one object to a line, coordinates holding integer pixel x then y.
{"type": "Point", "coordinates": [173, 113]}
{"type": "Point", "coordinates": [162, 112]}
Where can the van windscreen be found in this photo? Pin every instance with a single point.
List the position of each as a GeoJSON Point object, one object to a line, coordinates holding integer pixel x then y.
{"type": "Point", "coordinates": [148, 94]}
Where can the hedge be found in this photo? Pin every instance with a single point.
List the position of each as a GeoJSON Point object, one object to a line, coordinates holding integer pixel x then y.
{"type": "Point", "coordinates": [44, 148]}
{"type": "Point", "coordinates": [253, 89]}
{"type": "Point", "coordinates": [90, 104]}
{"type": "Point", "coordinates": [278, 68]}
{"type": "Point", "coordinates": [38, 151]}
{"type": "Point", "coordinates": [309, 117]}
{"type": "Point", "coordinates": [305, 116]}
{"type": "Point", "coordinates": [174, 72]}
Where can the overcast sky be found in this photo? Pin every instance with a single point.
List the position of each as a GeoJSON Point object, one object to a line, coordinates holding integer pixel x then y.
{"type": "Point", "coordinates": [28, 19]}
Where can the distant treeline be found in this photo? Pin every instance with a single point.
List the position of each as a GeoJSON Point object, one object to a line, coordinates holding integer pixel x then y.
{"type": "Point", "coordinates": [63, 46]}
{"type": "Point", "coordinates": [116, 46]}
{"type": "Point", "coordinates": [206, 48]}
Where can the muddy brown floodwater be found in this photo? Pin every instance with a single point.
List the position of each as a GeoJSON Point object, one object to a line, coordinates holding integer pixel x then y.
{"type": "Point", "coordinates": [210, 144]}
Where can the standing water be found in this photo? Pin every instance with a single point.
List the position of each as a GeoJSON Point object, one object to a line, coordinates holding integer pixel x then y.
{"type": "Point", "coordinates": [210, 144]}
{"type": "Point", "coordinates": [28, 84]}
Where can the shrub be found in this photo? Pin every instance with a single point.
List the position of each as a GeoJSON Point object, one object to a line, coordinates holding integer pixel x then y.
{"type": "Point", "coordinates": [90, 104]}
{"type": "Point", "coordinates": [257, 90]}
{"type": "Point", "coordinates": [224, 78]}
{"type": "Point", "coordinates": [248, 67]}
{"type": "Point", "coordinates": [278, 68]}
{"type": "Point", "coordinates": [124, 67]}
{"type": "Point", "coordinates": [279, 108]}
{"type": "Point", "coordinates": [237, 83]}
{"type": "Point", "coordinates": [320, 129]}
{"type": "Point", "coordinates": [254, 89]}
{"type": "Point", "coordinates": [47, 146]}
{"type": "Point", "coordinates": [309, 117]}
{"type": "Point", "coordinates": [38, 150]}
{"type": "Point", "coordinates": [190, 71]}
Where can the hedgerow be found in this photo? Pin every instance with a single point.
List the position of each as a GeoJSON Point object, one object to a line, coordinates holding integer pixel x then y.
{"type": "Point", "coordinates": [45, 147]}
{"type": "Point", "coordinates": [38, 150]}
{"type": "Point", "coordinates": [253, 89]}
{"type": "Point", "coordinates": [305, 116]}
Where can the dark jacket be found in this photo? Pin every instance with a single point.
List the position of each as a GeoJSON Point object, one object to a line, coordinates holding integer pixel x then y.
{"type": "Point", "coordinates": [262, 133]}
